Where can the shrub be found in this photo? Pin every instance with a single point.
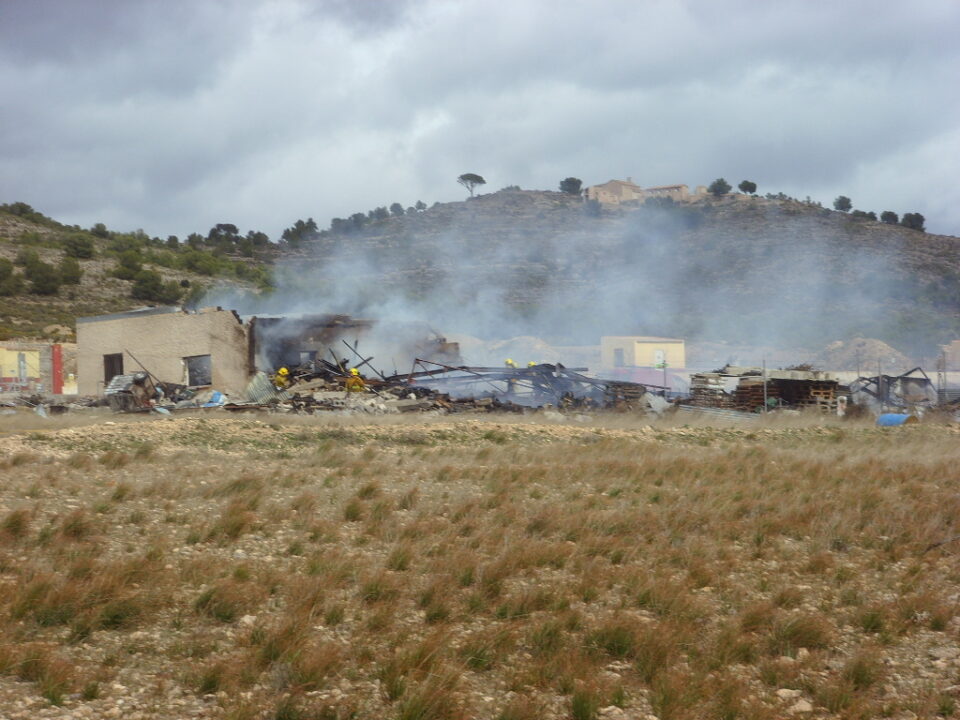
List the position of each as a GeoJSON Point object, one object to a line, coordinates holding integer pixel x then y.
{"type": "Point", "coordinates": [129, 263]}
{"type": "Point", "coordinates": [148, 285]}
{"type": "Point", "coordinates": [44, 278]}
{"type": "Point", "coordinates": [70, 272]}
{"type": "Point", "coordinates": [78, 246]}
{"type": "Point", "coordinates": [719, 187]}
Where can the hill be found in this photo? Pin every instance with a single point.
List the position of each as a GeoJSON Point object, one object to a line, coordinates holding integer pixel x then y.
{"type": "Point", "coordinates": [738, 268]}
{"type": "Point", "coordinates": [764, 271]}
{"type": "Point", "coordinates": [113, 271]}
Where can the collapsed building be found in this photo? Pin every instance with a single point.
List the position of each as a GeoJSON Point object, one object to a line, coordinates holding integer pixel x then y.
{"type": "Point", "coordinates": [217, 348]}
{"type": "Point", "coordinates": [753, 389]}
{"type": "Point", "coordinates": [908, 391]}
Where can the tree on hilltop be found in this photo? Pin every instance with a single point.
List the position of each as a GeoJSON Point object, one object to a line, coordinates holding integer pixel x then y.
{"type": "Point", "coordinates": [747, 187]}
{"type": "Point", "coordinates": [914, 221]}
{"type": "Point", "coordinates": [571, 185]}
{"type": "Point", "coordinates": [470, 181]}
{"type": "Point", "coordinates": [842, 203]}
{"type": "Point", "coordinates": [889, 217]}
{"type": "Point", "coordinates": [719, 187]}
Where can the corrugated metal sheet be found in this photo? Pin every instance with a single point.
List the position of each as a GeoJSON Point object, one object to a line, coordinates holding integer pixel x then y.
{"type": "Point", "coordinates": [260, 390]}
{"type": "Point", "coordinates": [734, 415]}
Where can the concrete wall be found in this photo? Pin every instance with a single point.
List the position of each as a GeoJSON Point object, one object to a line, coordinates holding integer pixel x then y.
{"type": "Point", "coordinates": [161, 342]}
{"type": "Point", "coordinates": [639, 351]}
{"type": "Point", "coordinates": [618, 192]}
{"type": "Point", "coordinates": [649, 353]}
{"type": "Point", "coordinates": [38, 357]}
{"type": "Point", "coordinates": [615, 192]}
{"type": "Point", "coordinates": [10, 369]}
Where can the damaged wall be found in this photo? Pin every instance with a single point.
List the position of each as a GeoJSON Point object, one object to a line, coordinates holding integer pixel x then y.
{"type": "Point", "coordinates": [163, 339]}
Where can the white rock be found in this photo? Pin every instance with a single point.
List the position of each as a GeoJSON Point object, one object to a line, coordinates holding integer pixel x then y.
{"type": "Point", "coordinates": [248, 620]}
{"type": "Point", "coordinates": [800, 706]}
{"type": "Point", "coordinates": [612, 712]}
{"type": "Point", "coordinates": [788, 694]}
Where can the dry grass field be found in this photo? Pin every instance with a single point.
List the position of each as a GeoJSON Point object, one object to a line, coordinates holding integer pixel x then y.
{"type": "Point", "coordinates": [439, 569]}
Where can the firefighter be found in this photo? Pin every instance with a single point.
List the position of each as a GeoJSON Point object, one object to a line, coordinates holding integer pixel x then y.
{"type": "Point", "coordinates": [509, 364]}
{"type": "Point", "coordinates": [355, 383]}
{"type": "Point", "coordinates": [281, 379]}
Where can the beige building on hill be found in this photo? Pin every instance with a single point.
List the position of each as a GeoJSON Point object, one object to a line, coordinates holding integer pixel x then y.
{"type": "Point", "coordinates": [642, 351]}
{"type": "Point", "coordinates": [207, 347]}
{"type": "Point", "coordinates": [614, 193]}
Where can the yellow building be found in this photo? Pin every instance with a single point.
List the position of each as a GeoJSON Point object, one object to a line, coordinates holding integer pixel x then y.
{"type": "Point", "coordinates": [19, 369]}
{"type": "Point", "coordinates": [642, 351]}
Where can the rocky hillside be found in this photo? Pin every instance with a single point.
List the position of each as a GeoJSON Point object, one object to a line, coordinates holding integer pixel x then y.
{"type": "Point", "coordinates": [50, 273]}
{"type": "Point", "coordinates": [738, 268]}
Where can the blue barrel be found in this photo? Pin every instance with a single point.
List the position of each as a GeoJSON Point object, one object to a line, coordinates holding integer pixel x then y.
{"type": "Point", "coordinates": [895, 420]}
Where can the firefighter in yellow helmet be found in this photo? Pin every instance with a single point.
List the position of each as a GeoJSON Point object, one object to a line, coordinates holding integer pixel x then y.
{"type": "Point", "coordinates": [531, 364]}
{"type": "Point", "coordinates": [354, 382]}
{"type": "Point", "coordinates": [509, 364]}
{"type": "Point", "coordinates": [281, 379]}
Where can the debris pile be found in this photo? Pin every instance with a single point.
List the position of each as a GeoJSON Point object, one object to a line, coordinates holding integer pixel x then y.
{"type": "Point", "coordinates": [753, 389]}
{"type": "Point", "coordinates": [910, 391]}
{"type": "Point", "coordinates": [323, 386]}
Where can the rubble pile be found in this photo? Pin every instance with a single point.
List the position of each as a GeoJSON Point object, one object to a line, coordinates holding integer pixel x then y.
{"type": "Point", "coordinates": [752, 389]}
{"type": "Point", "coordinates": [321, 386]}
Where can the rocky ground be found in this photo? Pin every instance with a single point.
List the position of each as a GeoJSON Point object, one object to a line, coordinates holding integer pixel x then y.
{"type": "Point", "coordinates": [512, 568]}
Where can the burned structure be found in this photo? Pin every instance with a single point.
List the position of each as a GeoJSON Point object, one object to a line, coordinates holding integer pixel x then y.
{"type": "Point", "coordinates": [754, 389]}
{"type": "Point", "coordinates": [909, 391]}
{"type": "Point", "coordinates": [217, 348]}
{"type": "Point", "coordinates": [207, 347]}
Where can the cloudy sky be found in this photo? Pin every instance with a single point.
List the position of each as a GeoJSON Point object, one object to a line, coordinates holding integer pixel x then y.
{"type": "Point", "coordinates": [173, 116]}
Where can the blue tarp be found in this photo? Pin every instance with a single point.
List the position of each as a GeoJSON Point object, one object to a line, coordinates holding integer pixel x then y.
{"type": "Point", "coordinates": [895, 419]}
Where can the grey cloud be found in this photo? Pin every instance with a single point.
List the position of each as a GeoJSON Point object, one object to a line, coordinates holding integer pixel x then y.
{"type": "Point", "coordinates": [173, 116]}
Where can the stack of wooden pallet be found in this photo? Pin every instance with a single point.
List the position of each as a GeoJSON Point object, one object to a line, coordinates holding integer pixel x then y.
{"type": "Point", "coordinates": [750, 396]}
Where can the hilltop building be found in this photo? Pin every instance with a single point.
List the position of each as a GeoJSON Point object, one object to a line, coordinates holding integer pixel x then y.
{"type": "Point", "coordinates": [614, 193]}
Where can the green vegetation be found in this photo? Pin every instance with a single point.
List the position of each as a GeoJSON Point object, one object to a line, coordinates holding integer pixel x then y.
{"type": "Point", "coordinates": [719, 187]}
{"type": "Point", "coordinates": [471, 181]}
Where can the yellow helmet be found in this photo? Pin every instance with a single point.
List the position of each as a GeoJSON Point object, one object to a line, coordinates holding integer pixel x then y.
{"type": "Point", "coordinates": [354, 371]}
{"type": "Point", "coordinates": [531, 364]}
{"type": "Point", "coordinates": [509, 361]}
{"type": "Point", "coordinates": [283, 371]}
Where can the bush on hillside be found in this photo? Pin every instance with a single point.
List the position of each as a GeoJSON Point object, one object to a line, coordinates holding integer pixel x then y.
{"type": "Point", "coordinates": [70, 272]}
{"type": "Point", "coordinates": [11, 282]}
{"type": "Point", "coordinates": [44, 278]}
{"type": "Point", "coordinates": [719, 187]}
{"type": "Point", "coordinates": [149, 286]}
{"type": "Point", "coordinates": [842, 203]}
{"type": "Point", "coordinates": [129, 263]}
{"type": "Point", "coordinates": [78, 246]}
{"type": "Point", "coordinates": [914, 221]}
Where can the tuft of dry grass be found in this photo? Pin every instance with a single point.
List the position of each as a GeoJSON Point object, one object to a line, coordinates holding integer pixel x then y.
{"type": "Point", "coordinates": [506, 569]}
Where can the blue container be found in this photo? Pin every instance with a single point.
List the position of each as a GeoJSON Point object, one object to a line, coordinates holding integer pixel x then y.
{"type": "Point", "coordinates": [895, 420]}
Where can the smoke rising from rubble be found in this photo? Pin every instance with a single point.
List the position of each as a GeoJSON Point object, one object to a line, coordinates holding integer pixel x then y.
{"type": "Point", "coordinates": [570, 282]}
